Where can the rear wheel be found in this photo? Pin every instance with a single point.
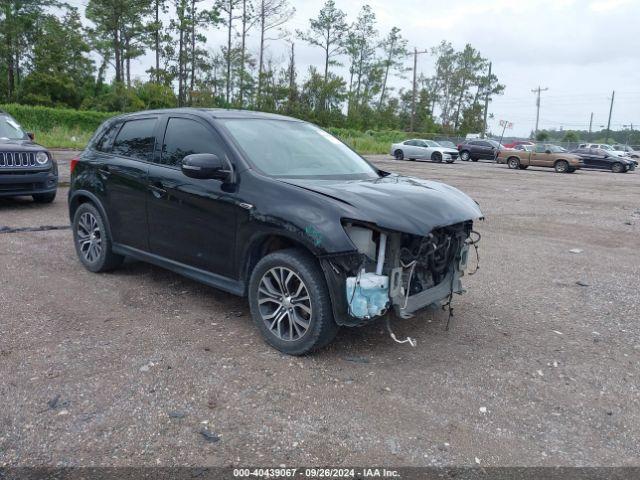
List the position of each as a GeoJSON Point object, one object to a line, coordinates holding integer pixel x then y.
{"type": "Point", "coordinates": [92, 241]}
{"type": "Point", "coordinates": [290, 302]}
{"type": "Point", "coordinates": [561, 166]}
{"type": "Point", "coordinates": [436, 157]}
{"type": "Point", "coordinates": [398, 154]}
{"type": "Point", "coordinates": [44, 197]}
{"type": "Point", "coordinates": [464, 156]}
{"type": "Point", "coordinates": [617, 168]}
{"type": "Point", "coordinates": [513, 162]}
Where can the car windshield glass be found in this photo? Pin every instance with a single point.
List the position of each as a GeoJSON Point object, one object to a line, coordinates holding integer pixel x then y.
{"type": "Point", "coordinates": [282, 148]}
{"type": "Point", "coordinates": [10, 129]}
{"type": "Point", "coordinates": [446, 143]}
{"type": "Point", "coordinates": [431, 143]}
{"type": "Point", "coordinates": [554, 148]}
{"type": "Point", "coordinates": [605, 147]}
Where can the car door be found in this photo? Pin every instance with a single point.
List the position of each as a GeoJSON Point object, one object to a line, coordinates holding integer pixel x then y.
{"type": "Point", "coordinates": [539, 157]}
{"type": "Point", "coordinates": [410, 149]}
{"type": "Point", "coordinates": [422, 149]}
{"type": "Point", "coordinates": [600, 159]}
{"type": "Point", "coordinates": [124, 172]}
{"type": "Point", "coordinates": [486, 150]}
{"type": "Point", "coordinates": [191, 221]}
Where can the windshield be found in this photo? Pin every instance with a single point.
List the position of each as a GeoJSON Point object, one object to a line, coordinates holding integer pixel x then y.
{"type": "Point", "coordinates": [555, 149]}
{"type": "Point", "coordinates": [431, 143]}
{"type": "Point", "coordinates": [282, 148]}
{"type": "Point", "coordinates": [606, 147]}
{"type": "Point", "coordinates": [9, 129]}
{"type": "Point", "coordinates": [446, 143]}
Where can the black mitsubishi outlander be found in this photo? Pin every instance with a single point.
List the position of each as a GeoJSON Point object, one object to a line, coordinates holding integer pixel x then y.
{"type": "Point", "coordinates": [26, 168]}
{"type": "Point", "coordinates": [272, 208]}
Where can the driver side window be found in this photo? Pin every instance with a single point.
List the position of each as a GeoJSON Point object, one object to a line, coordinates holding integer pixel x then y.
{"type": "Point", "coordinates": [540, 149]}
{"type": "Point", "coordinates": [185, 137]}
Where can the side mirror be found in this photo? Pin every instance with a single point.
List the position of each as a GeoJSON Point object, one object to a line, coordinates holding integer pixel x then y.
{"type": "Point", "coordinates": [205, 166]}
{"type": "Point", "coordinates": [606, 155]}
{"type": "Point", "coordinates": [31, 135]}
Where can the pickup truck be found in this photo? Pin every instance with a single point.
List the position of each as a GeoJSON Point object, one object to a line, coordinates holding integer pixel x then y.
{"type": "Point", "coordinates": [542, 155]}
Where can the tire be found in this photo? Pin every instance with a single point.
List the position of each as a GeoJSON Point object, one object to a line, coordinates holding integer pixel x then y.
{"type": "Point", "coordinates": [561, 166]}
{"type": "Point", "coordinates": [617, 168]}
{"type": "Point", "coordinates": [464, 156]}
{"type": "Point", "coordinates": [398, 154]}
{"type": "Point", "coordinates": [436, 157]}
{"type": "Point", "coordinates": [523, 167]}
{"type": "Point", "coordinates": [44, 197]}
{"type": "Point", "coordinates": [272, 309]}
{"type": "Point", "coordinates": [571, 170]}
{"type": "Point", "coordinates": [92, 241]}
{"type": "Point", "coordinates": [513, 163]}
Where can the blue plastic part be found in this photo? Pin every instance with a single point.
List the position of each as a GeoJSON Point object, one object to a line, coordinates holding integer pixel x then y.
{"type": "Point", "coordinates": [367, 295]}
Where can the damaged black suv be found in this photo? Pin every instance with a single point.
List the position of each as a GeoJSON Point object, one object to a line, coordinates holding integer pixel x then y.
{"type": "Point", "coordinates": [26, 168]}
{"type": "Point", "coordinates": [272, 208]}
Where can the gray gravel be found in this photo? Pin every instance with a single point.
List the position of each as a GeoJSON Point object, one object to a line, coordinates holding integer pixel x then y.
{"type": "Point", "coordinates": [143, 367]}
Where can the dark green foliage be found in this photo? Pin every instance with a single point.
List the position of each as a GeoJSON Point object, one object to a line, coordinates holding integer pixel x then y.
{"type": "Point", "coordinates": [44, 118]}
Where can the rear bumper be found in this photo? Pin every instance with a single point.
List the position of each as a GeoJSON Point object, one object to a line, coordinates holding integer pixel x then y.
{"type": "Point", "coordinates": [17, 184]}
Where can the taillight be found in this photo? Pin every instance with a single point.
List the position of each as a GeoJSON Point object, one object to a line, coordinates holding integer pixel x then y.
{"type": "Point", "coordinates": [72, 164]}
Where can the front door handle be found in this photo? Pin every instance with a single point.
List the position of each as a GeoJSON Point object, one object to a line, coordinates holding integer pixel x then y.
{"type": "Point", "coordinates": [158, 190]}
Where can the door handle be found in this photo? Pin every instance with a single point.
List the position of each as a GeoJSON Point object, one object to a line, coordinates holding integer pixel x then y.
{"type": "Point", "coordinates": [158, 190]}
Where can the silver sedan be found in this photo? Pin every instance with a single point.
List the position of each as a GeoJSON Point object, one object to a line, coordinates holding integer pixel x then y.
{"type": "Point", "coordinates": [419, 149]}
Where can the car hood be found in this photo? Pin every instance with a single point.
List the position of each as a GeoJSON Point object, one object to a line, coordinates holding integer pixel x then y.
{"type": "Point", "coordinates": [395, 202]}
{"type": "Point", "coordinates": [22, 145]}
{"type": "Point", "coordinates": [447, 150]}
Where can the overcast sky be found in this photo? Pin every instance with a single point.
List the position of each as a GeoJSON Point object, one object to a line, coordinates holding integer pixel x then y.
{"type": "Point", "coordinates": [581, 50]}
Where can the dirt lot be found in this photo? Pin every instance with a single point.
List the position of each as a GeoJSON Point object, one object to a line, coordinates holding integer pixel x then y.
{"type": "Point", "coordinates": [129, 368]}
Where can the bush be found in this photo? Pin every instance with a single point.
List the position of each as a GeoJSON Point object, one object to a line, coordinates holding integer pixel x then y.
{"type": "Point", "coordinates": [36, 118]}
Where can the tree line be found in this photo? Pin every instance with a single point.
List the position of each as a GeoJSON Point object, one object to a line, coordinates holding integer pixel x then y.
{"type": "Point", "coordinates": [52, 57]}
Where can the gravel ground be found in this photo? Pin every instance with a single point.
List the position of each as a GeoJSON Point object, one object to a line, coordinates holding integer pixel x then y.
{"type": "Point", "coordinates": [143, 367]}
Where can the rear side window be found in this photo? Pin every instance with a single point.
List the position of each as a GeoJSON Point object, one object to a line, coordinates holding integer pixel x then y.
{"type": "Point", "coordinates": [105, 142]}
{"type": "Point", "coordinates": [185, 137]}
{"type": "Point", "coordinates": [136, 139]}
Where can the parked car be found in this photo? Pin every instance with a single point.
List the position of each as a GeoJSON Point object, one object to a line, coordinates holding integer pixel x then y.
{"type": "Point", "coordinates": [272, 208]}
{"type": "Point", "coordinates": [26, 168]}
{"type": "Point", "coordinates": [604, 146]}
{"type": "Point", "coordinates": [628, 150]}
{"type": "Point", "coordinates": [418, 149]}
{"type": "Point", "coordinates": [475, 150]}
{"type": "Point", "coordinates": [603, 160]}
{"type": "Point", "coordinates": [542, 155]}
{"type": "Point", "coordinates": [517, 143]}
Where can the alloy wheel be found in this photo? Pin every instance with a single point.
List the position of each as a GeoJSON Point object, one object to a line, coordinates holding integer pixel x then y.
{"type": "Point", "coordinates": [284, 304]}
{"type": "Point", "coordinates": [89, 237]}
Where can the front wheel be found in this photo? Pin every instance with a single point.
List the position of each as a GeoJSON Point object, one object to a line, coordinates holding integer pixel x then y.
{"type": "Point", "coordinates": [92, 241]}
{"type": "Point", "coordinates": [436, 157]}
{"type": "Point", "coordinates": [617, 168]}
{"type": "Point", "coordinates": [290, 302]}
{"type": "Point", "coordinates": [464, 156]}
{"type": "Point", "coordinates": [399, 155]}
{"type": "Point", "coordinates": [561, 166]}
{"type": "Point", "coordinates": [44, 197]}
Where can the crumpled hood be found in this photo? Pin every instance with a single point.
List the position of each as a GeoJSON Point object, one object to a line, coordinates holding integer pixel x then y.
{"type": "Point", "coordinates": [399, 203]}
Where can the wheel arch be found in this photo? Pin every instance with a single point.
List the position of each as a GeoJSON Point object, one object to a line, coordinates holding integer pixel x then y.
{"type": "Point", "coordinates": [83, 196]}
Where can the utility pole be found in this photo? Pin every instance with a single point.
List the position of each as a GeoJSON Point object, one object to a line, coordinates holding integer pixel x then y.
{"type": "Point", "coordinates": [613, 96]}
{"type": "Point", "coordinates": [590, 126]}
{"type": "Point", "coordinates": [486, 102]}
{"type": "Point", "coordinates": [415, 86]}
{"type": "Point", "coordinates": [537, 91]}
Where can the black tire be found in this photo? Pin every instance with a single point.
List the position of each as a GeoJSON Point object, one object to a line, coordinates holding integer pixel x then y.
{"type": "Point", "coordinates": [44, 197]}
{"type": "Point", "coordinates": [571, 170]}
{"type": "Point", "coordinates": [103, 260]}
{"type": "Point", "coordinates": [398, 154]}
{"type": "Point", "coordinates": [561, 166]}
{"type": "Point", "coordinates": [465, 156]}
{"type": "Point", "coordinates": [321, 327]}
{"type": "Point", "coordinates": [617, 168]}
{"type": "Point", "coordinates": [436, 157]}
{"type": "Point", "coordinates": [523, 167]}
{"type": "Point", "coordinates": [513, 163]}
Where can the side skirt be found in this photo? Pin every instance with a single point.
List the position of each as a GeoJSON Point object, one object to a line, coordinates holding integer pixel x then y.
{"type": "Point", "coordinates": [235, 287]}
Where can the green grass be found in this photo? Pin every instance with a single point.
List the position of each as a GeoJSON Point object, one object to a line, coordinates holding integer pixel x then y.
{"type": "Point", "coordinates": [63, 137]}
